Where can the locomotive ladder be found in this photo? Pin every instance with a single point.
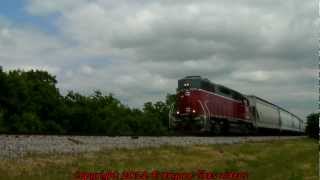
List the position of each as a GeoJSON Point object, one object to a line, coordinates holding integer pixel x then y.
{"type": "Point", "coordinates": [206, 116]}
{"type": "Point", "coordinates": [171, 115]}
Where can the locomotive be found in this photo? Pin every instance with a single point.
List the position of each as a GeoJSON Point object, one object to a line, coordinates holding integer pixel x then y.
{"type": "Point", "coordinates": [203, 106]}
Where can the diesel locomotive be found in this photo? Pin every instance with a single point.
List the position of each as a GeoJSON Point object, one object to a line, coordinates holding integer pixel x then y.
{"type": "Point", "coordinates": [203, 106]}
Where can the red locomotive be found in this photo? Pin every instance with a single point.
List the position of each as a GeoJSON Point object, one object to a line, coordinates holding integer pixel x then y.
{"type": "Point", "coordinates": [205, 106]}
{"type": "Point", "coordinates": [208, 107]}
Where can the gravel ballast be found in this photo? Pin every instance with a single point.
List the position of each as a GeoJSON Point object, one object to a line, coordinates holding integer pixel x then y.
{"type": "Point", "coordinates": [15, 146]}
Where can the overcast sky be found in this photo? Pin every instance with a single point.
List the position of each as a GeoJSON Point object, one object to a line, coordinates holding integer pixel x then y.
{"type": "Point", "coordinates": [138, 49]}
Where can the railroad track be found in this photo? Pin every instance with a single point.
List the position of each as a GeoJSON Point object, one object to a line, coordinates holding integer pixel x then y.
{"type": "Point", "coordinates": [15, 146]}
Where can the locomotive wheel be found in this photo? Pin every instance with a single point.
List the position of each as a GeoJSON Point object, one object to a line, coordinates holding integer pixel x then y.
{"type": "Point", "coordinates": [216, 128]}
{"type": "Point", "coordinates": [225, 128]}
{"type": "Point", "coordinates": [244, 129]}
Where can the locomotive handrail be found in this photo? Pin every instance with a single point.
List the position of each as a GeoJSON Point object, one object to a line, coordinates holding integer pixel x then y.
{"type": "Point", "coordinates": [205, 103]}
{"type": "Point", "coordinates": [204, 110]}
{"type": "Point", "coordinates": [205, 113]}
{"type": "Point", "coordinates": [170, 114]}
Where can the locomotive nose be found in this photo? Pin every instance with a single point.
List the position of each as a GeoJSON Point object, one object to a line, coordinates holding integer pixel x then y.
{"type": "Point", "coordinates": [187, 107]}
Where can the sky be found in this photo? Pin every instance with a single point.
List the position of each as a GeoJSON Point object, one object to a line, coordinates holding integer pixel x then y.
{"type": "Point", "coordinates": [137, 50]}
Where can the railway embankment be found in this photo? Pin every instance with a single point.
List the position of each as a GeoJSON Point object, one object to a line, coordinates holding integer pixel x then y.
{"type": "Point", "coordinates": [15, 146]}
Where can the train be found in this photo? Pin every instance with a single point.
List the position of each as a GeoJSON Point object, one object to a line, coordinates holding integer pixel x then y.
{"type": "Point", "coordinates": [203, 106]}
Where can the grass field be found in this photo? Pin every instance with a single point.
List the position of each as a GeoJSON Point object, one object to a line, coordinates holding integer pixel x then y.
{"type": "Point", "coordinates": [282, 159]}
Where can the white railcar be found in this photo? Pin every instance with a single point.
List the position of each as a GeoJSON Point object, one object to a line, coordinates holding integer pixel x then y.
{"type": "Point", "coordinates": [270, 116]}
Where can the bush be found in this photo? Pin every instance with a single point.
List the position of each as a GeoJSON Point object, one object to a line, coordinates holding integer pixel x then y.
{"type": "Point", "coordinates": [28, 122]}
{"type": "Point", "coordinates": [312, 128]}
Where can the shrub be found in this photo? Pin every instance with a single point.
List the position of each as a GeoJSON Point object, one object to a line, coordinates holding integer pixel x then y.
{"type": "Point", "coordinates": [312, 128]}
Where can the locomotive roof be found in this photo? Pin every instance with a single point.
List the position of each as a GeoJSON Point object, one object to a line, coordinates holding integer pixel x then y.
{"type": "Point", "coordinates": [192, 77]}
{"type": "Point", "coordinates": [218, 85]}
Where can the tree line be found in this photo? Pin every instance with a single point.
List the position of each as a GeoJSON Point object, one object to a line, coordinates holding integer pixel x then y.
{"type": "Point", "coordinates": [30, 102]}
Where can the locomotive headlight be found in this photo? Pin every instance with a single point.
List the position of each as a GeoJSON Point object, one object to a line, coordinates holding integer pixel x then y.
{"type": "Point", "coordinates": [178, 112]}
{"type": "Point", "coordinates": [194, 111]}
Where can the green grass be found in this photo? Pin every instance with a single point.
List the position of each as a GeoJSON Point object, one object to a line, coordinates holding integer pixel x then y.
{"type": "Point", "coordinates": [282, 159]}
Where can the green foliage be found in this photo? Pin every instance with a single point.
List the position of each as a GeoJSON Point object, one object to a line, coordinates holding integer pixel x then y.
{"type": "Point", "coordinates": [312, 128]}
{"type": "Point", "coordinates": [2, 126]}
{"type": "Point", "coordinates": [171, 99]}
{"type": "Point", "coordinates": [31, 103]}
{"type": "Point", "coordinates": [29, 100]}
{"type": "Point", "coordinates": [28, 122]}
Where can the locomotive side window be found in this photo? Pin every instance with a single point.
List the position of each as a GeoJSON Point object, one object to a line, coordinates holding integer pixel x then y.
{"type": "Point", "coordinates": [206, 85]}
{"type": "Point", "coordinates": [237, 96]}
{"type": "Point", "coordinates": [212, 88]}
{"type": "Point", "coordinates": [224, 91]}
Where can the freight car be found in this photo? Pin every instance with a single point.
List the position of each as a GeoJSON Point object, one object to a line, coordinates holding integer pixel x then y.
{"type": "Point", "coordinates": [270, 117]}
{"type": "Point", "coordinates": [203, 106]}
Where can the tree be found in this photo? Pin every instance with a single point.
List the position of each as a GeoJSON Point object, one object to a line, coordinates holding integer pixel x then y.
{"type": "Point", "coordinates": [171, 99]}
{"type": "Point", "coordinates": [312, 128]}
{"type": "Point", "coordinates": [155, 118]}
{"type": "Point", "coordinates": [2, 125]}
{"type": "Point", "coordinates": [30, 102]}
{"type": "Point", "coordinates": [28, 122]}
{"type": "Point", "coordinates": [28, 98]}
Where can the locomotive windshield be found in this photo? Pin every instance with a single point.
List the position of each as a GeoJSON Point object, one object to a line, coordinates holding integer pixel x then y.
{"type": "Point", "coordinates": [188, 83]}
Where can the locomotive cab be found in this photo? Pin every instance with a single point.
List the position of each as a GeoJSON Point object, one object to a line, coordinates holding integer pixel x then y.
{"type": "Point", "coordinates": [185, 96]}
{"type": "Point", "coordinates": [191, 112]}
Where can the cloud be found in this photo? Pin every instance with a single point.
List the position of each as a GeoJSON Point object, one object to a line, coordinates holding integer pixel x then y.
{"type": "Point", "coordinates": [138, 49]}
{"type": "Point", "coordinates": [25, 47]}
{"type": "Point", "coordinates": [39, 7]}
